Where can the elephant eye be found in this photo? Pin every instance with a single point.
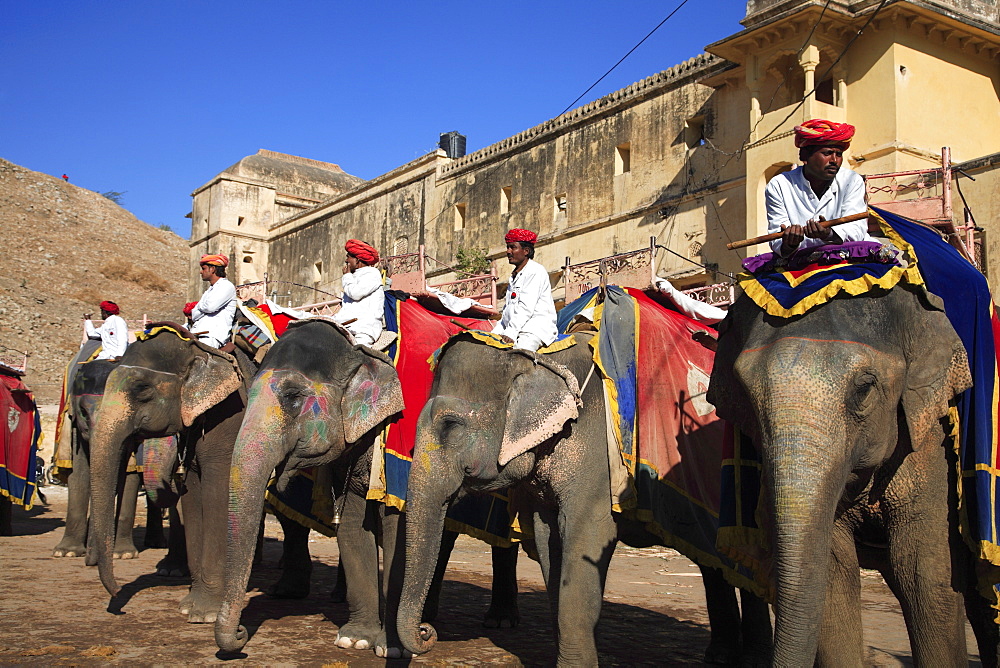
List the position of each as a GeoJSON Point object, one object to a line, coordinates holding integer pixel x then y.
{"type": "Point", "coordinates": [143, 392]}
{"type": "Point", "coordinates": [450, 427]}
{"type": "Point", "coordinates": [864, 397]}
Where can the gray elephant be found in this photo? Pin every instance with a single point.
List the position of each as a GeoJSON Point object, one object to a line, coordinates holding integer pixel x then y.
{"type": "Point", "coordinates": [505, 418]}
{"type": "Point", "coordinates": [167, 384]}
{"type": "Point", "coordinates": [86, 383]}
{"type": "Point", "coordinates": [316, 399]}
{"type": "Point", "coordinates": [846, 406]}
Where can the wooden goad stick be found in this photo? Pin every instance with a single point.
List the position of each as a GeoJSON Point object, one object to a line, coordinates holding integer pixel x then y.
{"type": "Point", "coordinates": [777, 235]}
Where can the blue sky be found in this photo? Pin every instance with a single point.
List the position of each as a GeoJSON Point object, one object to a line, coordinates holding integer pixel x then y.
{"type": "Point", "coordinates": [154, 98]}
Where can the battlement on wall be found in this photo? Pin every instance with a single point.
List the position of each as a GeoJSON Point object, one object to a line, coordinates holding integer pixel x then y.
{"type": "Point", "coordinates": [690, 69]}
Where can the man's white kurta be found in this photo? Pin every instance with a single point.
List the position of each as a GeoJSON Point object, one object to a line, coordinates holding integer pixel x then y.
{"type": "Point", "coordinates": [113, 335]}
{"type": "Point", "coordinates": [364, 300]}
{"type": "Point", "coordinates": [214, 313]}
{"type": "Point", "coordinates": [529, 308]}
{"type": "Point", "coordinates": [689, 306]}
{"type": "Point", "coordinates": [790, 200]}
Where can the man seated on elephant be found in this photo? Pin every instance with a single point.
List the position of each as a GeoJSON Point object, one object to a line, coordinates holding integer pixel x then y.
{"type": "Point", "coordinates": [212, 317]}
{"type": "Point", "coordinates": [529, 314]}
{"type": "Point", "coordinates": [820, 189]}
{"type": "Point", "coordinates": [364, 295]}
{"type": "Point", "coordinates": [113, 333]}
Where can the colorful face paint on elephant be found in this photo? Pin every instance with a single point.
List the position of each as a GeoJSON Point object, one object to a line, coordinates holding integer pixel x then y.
{"type": "Point", "coordinates": [164, 383]}
{"type": "Point", "coordinates": [315, 397]}
{"type": "Point", "coordinates": [846, 406]}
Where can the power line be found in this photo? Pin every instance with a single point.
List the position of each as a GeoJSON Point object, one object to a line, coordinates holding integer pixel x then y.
{"type": "Point", "coordinates": [486, 175]}
{"type": "Point", "coordinates": [745, 145]}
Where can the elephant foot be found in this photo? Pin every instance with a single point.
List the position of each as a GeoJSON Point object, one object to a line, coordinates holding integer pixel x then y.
{"type": "Point", "coordinates": [722, 654]}
{"type": "Point", "coordinates": [501, 616]}
{"type": "Point", "coordinates": [69, 547]}
{"type": "Point", "coordinates": [172, 566]}
{"type": "Point", "coordinates": [130, 552]}
{"type": "Point", "coordinates": [386, 650]}
{"type": "Point", "coordinates": [291, 584]}
{"type": "Point", "coordinates": [201, 608]}
{"type": "Point", "coordinates": [357, 636]}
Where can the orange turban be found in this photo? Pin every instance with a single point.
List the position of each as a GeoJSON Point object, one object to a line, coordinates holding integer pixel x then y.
{"type": "Point", "coordinates": [819, 132]}
{"type": "Point", "coordinates": [214, 260]}
{"type": "Point", "coordinates": [110, 307]}
{"type": "Point", "coordinates": [362, 251]}
{"type": "Point", "coordinates": [517, 234]}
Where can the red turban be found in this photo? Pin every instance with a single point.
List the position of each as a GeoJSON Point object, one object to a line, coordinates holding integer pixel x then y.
{"type": "Point", "coordinates": [818, 132]}
{"type": "Point", "coordinates": [518, 234]}
{"type": "Point", "coordinates": [362, 251]}
{"type": "Point", "coordinates": [189, 307]}
{"type": "Point", "coordinates": [214, 260]}
{"type": "Point", "coordinates": [110, 307]}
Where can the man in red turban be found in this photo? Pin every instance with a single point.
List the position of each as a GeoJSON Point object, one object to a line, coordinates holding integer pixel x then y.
{"type": "Point", "coordinates": [529, 313]}
{"type": "Point", "coordinates": [211, 319]}
{"type": "Point", "coordinates": [364, 296]}
{"type": "Point", "coordinates": [113, 333]}
{"type": "Point", "coordinates": [820, 189]}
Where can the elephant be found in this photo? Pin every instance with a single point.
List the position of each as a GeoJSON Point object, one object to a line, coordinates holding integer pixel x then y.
{"type": "Point", "coordinates": [506, 418]}
{"type": "Point", "coordinates": [846, 405]}
{"type": "Point", "coordinates": [86, 388]}
{"type": "Point", "coordinates": [167, 383]}
{"type": "Point", "coordinates": [316, 399]}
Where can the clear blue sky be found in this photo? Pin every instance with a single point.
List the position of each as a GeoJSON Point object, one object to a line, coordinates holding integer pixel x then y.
{"type": "Point", "coordinates": [155, 97]}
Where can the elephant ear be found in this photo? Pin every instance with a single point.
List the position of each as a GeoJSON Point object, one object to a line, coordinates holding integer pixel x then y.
{"type": "Point", "coordinates": [725, 389]}
{"type": "Point", "coordinates": [935, 374]}
{"type": "Point", "coordinates": [539, 403]}
{"type": "Point", "coordinates": [372, 394]}
{"type": "Point", "coordinates": [211, 377]}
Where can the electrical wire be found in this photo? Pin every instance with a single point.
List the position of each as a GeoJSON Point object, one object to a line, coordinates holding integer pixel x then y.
{"type": "Point", "coordinates": [483, 178]}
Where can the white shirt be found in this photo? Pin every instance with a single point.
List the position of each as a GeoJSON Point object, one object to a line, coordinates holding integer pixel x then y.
{"type": "Point", "coordinates": [529, 308]}
{"type": "Point", "coordinates": [364, 299]}
{"type": "Point", "coordinates": [214, 313]}
{"type": "Point", "coordinates": [113, 335]}
{"type": "Point", "coordinates": [689, 306]}
{"type": "Point", "coordinates": [790, 200]}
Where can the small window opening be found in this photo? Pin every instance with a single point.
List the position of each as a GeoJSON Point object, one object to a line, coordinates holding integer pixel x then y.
{"type": "Point", "coordinates": [248, 260]}
{"type": "Point", "coordinates": [239, 221]}
{"type": "Point", "coordinates": [825, 91]}
{"type": "Point", "coordinates": [623, 159]}
{"type": "Point", "coordinates": [318, 272]}
{"type": "Point", "coordinates": [505, 193]}
{"type": "Point", "coordinates": [401, 246]}
{"type": "Point", "coordinates": [460, 216]}
{"type": "Point", "coordinates": [561, 205]}
{"type": "Point", "coordinates": [694, 132]}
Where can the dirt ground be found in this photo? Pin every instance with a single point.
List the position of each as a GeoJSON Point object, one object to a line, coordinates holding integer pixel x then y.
{"type": "Point", "coordinates": [55, 611]}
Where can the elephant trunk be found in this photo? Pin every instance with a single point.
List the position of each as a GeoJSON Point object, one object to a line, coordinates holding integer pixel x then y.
{"type": "Point", "coordinates": [159, 459]}
{"type": "Point", "coordinates": [807, 475]}
{"type": "Point", "coordinates": [429, 490]}
{"type": "Point", "coordinates": [258, 451]}
{"type": "Point", "coordinates": [107, 451]}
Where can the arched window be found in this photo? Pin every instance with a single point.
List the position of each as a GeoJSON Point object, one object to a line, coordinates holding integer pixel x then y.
{"type": "Point", "coordinates": [777, 168]}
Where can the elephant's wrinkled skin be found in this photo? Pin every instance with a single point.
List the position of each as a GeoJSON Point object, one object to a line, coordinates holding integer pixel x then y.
{"type": "Point", "coordinates": [165, 386]}
{"type": "Point", "coordinates": [315, 399]}
{"type": "Point", "coordinates": [846, 404]}
{"type": "Point", "coordinates": [502, 418]}
{"type": "Point", "coordinates": [87, 383]}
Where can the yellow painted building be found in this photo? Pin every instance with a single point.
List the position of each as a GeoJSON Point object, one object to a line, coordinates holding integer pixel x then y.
{"type": "Point", "coordinates": [682, 155]}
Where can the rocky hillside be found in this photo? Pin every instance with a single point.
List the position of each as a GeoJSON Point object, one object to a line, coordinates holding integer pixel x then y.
{"type": "Point", "coordinates": [66, 249]}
